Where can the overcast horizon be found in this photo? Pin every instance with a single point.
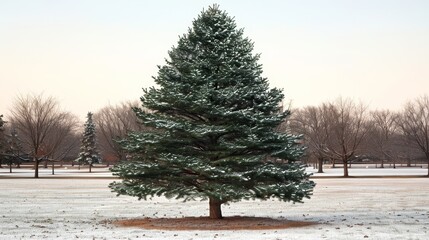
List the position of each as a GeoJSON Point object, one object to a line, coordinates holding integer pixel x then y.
{"type": "Point", "coordinates": [89, 54]}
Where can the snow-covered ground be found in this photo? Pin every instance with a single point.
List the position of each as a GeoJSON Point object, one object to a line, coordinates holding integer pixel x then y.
{"type": "Point", "coordinates": [66, 207]}
{"type": "Point", "coordinates": [59, 172]}
{"type": "Point", "coordinates": [370, 171]}
{"type": "Point", "coordinates": [103, 172]}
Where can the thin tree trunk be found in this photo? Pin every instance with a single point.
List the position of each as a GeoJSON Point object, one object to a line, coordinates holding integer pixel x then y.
{"type": "Point", "coordinates": [36, 167]}
{"type": "Point", "coordinates": [215, 208]}
{"type": "Point", "coordinates": [346, 169]}
{"type": "Point", "coordinates": [53, 167]}
{"type": "Point", "coordinates": [427, 157]}
{"type": "Point", "coordinates": [90, 165]}
{"type": "Point", "coordinates": [320, 170]}
{"type": "Point", "coordinates": [10, 167]}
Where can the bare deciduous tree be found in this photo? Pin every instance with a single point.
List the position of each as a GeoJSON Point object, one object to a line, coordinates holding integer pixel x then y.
{"type": "Point", "coordinates": [381, 135]}
{"type": "Point", "coordinates": [312, 123]}
{"type": "Point", "coordinates": [347, 129]}
{"type": "Point", "coordinates": [114, 123]}
{"type": "Point", "coordinates": [57, 144]}
{"type": "Point", "coordinates": [37, 118]}
{"type": "Point", "coordinates": [333, 130]}
{"type": "Point", "coordinates": [414, 124]}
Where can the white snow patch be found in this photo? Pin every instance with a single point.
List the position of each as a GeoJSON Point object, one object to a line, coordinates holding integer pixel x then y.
{"type": "Point", "coordinates": [72, 208]}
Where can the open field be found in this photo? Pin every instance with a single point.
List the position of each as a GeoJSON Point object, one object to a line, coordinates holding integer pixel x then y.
{"type": "Point", "coordinates": [101, 171]}
{"type": "Point", "coordinates": [73, 208]}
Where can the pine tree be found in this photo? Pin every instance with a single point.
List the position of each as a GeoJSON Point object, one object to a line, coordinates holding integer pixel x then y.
{"type": "Point", "coordinates": [14, 147]}
{"type": "Point", "coordinates": [213, 121]}
{"type": "Point", "coordinates": [88, 151]}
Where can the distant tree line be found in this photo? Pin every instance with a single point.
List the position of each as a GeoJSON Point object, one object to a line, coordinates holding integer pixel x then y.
{"type": "Point", "coordinates": [346, 132]}
{"type": "Point", "coordinates": [38, 130]}
{"type": "Point", "coordinates": [340, 132]}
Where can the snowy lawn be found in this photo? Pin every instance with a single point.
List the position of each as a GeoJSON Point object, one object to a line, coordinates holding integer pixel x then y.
{"type": "Point", "coordinates": [370, 170]}
{"type": "Point", "coordinates": [73, 208]}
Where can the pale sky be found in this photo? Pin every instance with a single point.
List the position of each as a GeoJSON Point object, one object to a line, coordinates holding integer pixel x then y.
{"type": "Point", "coordinates": [89, 53]}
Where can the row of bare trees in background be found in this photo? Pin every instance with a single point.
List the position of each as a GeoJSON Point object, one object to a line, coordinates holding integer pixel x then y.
{"type": "Point", "coordinates": [341, 131]}
{"type": "Point", "coordinates": [39, 129]}
{"type": "Point", "coordinates": [113, 123]}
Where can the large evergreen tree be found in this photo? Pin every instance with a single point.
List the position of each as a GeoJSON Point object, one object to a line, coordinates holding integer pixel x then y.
{"type": "Point", "coordinates": [213, 121]}
{"type": "Point", "coordinates": [88, 151]}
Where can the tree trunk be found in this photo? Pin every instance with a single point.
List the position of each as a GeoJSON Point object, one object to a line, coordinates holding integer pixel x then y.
{"type": "Point", "coordinates": [36, 167]}
{"type": "Point", "coordinates": [346, 169]}
{"type": "Point", "coordinates": [215, 208]}
{"type": "Point", "coordinates": [427, 157]}
{"type": "Point", "coordinates": [320, 170]}
{"type": "Point", "coordinates": [10, 167]}
{"type": "Point", "coordinates": [90, 165]}
{"type": "Point", "coordinates": [53, 167]}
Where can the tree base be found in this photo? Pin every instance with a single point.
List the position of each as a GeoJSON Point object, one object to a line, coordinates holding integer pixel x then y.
{"type": "Point", "coordinates": [204, 223]}
{"type": "Point", "coordinates": [215, 209]}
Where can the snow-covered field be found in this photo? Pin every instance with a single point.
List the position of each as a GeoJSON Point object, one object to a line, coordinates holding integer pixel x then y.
{"type": "Point", "coordinates": [103, 172]}
{"type": "Point", "coordinates": [68, 207]}
{"type": "Point", "coordinates": [370, 171]}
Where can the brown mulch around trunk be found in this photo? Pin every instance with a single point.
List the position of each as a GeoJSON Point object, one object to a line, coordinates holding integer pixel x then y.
{"type": "Point", "coordinates": [205, 223]}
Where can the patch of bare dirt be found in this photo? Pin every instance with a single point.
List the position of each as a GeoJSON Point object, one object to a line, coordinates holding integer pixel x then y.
{"type": "Point", "coordinates": [206, 223]}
